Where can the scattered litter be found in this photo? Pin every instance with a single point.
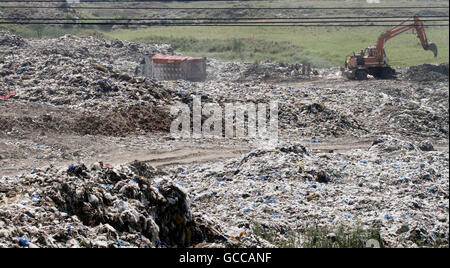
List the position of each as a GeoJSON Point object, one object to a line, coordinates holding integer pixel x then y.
{"type": "Point", "coordinates": [81, 86]}
{"type": "Point", "coordinates": [7, 97]}
{"type": "Point", "coordinates": [365, 191]}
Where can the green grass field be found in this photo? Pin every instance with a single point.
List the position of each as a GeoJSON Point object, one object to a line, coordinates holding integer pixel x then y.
{"type": "Point", "coordinates": [322, 47]}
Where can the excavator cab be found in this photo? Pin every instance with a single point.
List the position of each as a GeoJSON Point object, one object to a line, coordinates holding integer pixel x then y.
{"type": "Point", "coordinates": [371, 52]}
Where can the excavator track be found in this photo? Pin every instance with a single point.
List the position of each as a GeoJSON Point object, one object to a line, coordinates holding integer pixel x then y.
{"type": "Point", "coordinates": [383, 73]}
{"type": "Point", "coordinates": [359, 74]}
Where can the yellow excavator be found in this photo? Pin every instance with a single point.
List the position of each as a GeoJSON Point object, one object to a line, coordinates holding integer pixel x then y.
{"type": "Point", "coordinates": [373, 60]}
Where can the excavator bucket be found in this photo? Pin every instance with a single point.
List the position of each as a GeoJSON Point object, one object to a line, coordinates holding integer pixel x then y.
{"type": "Point", "coordinates": [432, 47]}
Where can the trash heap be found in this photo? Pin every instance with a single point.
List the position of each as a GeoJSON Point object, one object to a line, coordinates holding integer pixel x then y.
{"type": "Point", "coordinates": [75, 98]}
{"type": "Point", "coordinates": [95, 76]}
{"type": "Point", "coordinates": [338, 108]}
{"type": "Point", "coordinates": [7, 39]}
{"type": "Point", "coordinates": [101, 206]}
{"type": "Point", "coordinates": [80, 72]}
{"type": "Point", "coordinates": [428, 73]}
{"type": "Point", "coordinates": [262, 71]}
{"type": "Point", "coordinates": [394, 186]}
{"type": "Point", "coordinates": [88, 82]}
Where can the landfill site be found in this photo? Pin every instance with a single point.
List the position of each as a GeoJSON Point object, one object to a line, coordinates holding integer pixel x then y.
{"type": "Point", "coordinates": [87, 158]}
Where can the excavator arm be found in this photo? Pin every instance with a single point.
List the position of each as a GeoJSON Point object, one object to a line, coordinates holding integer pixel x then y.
{"type": "Point", "coordinates": [423, 37]}
{"type": "Point", "coordinates": [404, 27]}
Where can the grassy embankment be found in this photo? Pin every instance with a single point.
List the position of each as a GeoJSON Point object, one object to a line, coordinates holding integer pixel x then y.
{"type": "Point", "coordinates": [320, 46]}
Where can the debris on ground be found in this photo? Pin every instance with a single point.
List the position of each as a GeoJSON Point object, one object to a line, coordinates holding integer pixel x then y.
{"type": "Point", "coordinates": [289, 189]}
{"type": "Point", "coordinates": [7, 97]}
{"type": "Point", "coordinates": [7, 39]}
{"type": "Point", "coordinates": [373, 152]}
{"type": "Point", "coordinates": [266, 71]}
{"type": "Point", "coordinates": [428, 73]}
{"type": "Point", "coordinates": [99, 207]}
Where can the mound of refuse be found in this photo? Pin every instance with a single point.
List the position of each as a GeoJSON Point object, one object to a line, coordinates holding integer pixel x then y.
{"type": "Point", "coordinates": [313, 118]}
{"type": "Point", "coordinates": [428, 73]}
{"type": "Point", "coordinates": [391, 187]}
{"type": "Point", "coordinates": [87, 82]}
{"type": "Point", "coordinates": [260, 71]}
{"type": "Point", "coordinates": [100, 206]}
{"type": "Point", "coordinates": [10, 40]}
{"type": "Point", "coordinates": [85, 72]}
{"type": "Point", "coordinates": [389, 144]}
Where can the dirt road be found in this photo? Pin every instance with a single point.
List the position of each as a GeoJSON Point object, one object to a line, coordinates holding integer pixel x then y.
{"type": "Point", "coordinates": [24, 154]}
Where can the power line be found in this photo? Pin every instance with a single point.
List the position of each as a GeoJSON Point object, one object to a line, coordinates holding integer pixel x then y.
{"type": "Point", "coordinates": [181, 1]}
{"type": "Point", "coordinates": [259, 24]}
{"type": "Point", "coordinates": [423, 18]}
{"type": "Point", "coordinates": [227, 8]}
{"type": "Point", "coordinates": [252, 22]}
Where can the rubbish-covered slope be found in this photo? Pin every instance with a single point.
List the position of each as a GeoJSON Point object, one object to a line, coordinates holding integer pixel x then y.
{"type": "Point", "coordinates": [98, 207]}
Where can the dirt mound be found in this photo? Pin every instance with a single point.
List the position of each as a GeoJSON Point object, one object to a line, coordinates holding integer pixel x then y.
{"type": "Point", "coordinates": [117, 123]}
{"type": "Point", "coordinates": [120, 123]}
{"type": "Point", "coordinates": [428, 73]}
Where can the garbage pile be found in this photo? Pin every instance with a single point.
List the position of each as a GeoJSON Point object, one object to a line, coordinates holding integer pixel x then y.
{"type": "Point", "coordinates": [7, 39]}
{"type": "Point", "coordinates": [100, 206]}
{"type": "Point", "coordinates": [82, 85]}
{"type": "Point", "coordinates": [313, 118]}
{"type": "Point", "coordinates": [302, 112]}
{"type": "Point", "coordinates": [338, 108]}
{"type": "Point", "coordinates": [428, 72]}
{"type": "Point", "coordinates": [261, 71]}
{"type": "Point", "coordinates": [75, 98]}
{"type": "Point", "coordinates": [393, 186]}
{"type": "Point", "coordinates": [81, 72]}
